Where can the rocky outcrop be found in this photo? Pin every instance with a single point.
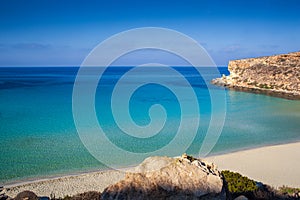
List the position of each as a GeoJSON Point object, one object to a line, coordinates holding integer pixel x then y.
{"type": "Point", "coordinates": [277, 75]}
{"type": "Point", "coordinates": [170, 178]}
{"type": "Point", "coordinates": [3, 196]}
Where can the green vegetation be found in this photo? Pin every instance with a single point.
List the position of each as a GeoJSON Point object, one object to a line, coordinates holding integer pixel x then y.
{"type": "Point", "coordinates": [237, 183]}
{"type": "Point", "coordinates": [265, 86]}
{"type": "Point", "coordinates": [289, 190]}
{"type": "Point", "coordinates": [92, 195]}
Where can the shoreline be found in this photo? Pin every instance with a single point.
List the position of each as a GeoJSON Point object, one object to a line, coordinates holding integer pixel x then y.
{"type": "Point", "coordinates": [256, 90]}
{"type": "Point", "coordinates": [253, 148]}
{"type": "Point", "coordinates": [67, 185]}
{"type": "Point", "coordinates": [275, 165]}
{"type": "Point", "coordinates": [30, 180]}
{"type": "Point", "coordinates": [41, 178]}
{"type": "Point", "coordinates": [275, 75]}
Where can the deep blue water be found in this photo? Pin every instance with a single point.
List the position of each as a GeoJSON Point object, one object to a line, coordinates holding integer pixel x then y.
{"type": "Point", "coordinates": [39, 138]}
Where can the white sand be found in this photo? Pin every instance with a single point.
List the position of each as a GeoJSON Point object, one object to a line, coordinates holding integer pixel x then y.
{"type": "Point", "coordinates": [273, 165]}
{"type": "Point", "coordinates": [68, 185]}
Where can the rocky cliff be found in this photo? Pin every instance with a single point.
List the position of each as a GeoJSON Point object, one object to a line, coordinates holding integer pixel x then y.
{"type": "Point", "coordinates": [277, 75]}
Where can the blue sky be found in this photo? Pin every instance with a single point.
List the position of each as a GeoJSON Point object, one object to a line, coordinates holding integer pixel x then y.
{"type": "Point", "coordinates": [53, 32]}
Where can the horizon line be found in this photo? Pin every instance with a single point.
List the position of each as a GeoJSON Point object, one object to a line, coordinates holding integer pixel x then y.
{"type": "Point", "coordinates": [3, 66]}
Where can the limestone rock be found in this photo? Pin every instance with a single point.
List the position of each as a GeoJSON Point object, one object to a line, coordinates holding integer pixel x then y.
{"type": "Point", "coordinates": [169, 178]}
{"type": "Point", "coordinates": [242, 197]}
{"type": "Point", "coordinates": [277, 75]}
{"type": "Point", "coordinates": [3, 195]}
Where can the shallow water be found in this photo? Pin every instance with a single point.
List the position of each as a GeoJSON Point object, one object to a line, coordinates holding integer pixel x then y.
{"type": "Point", "coordinates": [39, 138]}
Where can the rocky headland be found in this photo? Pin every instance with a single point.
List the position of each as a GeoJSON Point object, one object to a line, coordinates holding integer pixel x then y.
{"type": "Point", "coordinates": [277, 75]}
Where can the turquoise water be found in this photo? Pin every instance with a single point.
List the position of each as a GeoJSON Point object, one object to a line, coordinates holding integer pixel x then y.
{"type": "Point", "coordinates": [39, 138]}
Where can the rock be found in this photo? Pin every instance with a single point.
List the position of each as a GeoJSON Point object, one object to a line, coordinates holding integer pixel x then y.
{"type": "Point", "coordinates": [277, 75]}
{"type": "Point", "coordinates": [26, 195]}
{"type": "Point", "coordinates": [44, 198]}
{"type": "Point", "coordinates": [153, 164]}
{"type": "Point", "coordinates": [92, 195]}
{"type": "Point", "coordinates": [296, 195]}
{"type": "Point", "coordinates": [242, 197]}
{"type": "Point", "coordinates": [3, 197]}
{"type": "Point", "coordinates": [219, 82]}
{"type": "Point", "coordinates": [169, 178]}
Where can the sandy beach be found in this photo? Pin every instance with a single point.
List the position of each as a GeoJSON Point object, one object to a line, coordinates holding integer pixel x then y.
{"type": "Point", "coordinates": [274, 165]}
{"type": "Point", "coordinates": [68, 185]}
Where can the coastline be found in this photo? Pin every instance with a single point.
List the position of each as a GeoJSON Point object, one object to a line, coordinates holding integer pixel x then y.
{"type": "Point", "coordinates": [275, 165]}
{"type": "Point", "coordinates": [276, 75]}
{"type": "Point", "coordinates": [67, 185]}
{"type": "Point", "coordinates": [35, 179]}
{"type": "Point", "coordinates": [255, 90]}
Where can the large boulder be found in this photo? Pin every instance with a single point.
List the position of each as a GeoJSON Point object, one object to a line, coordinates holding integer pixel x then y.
{"type": "Point", "coordinates": [169, 178]}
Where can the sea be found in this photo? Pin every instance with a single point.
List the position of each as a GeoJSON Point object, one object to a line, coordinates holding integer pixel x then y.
{"type": "Point", "coordinates": [40, 136]}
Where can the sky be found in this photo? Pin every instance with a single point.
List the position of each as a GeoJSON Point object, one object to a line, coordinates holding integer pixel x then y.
{"type": "Point", "coordinates": [63, 32]}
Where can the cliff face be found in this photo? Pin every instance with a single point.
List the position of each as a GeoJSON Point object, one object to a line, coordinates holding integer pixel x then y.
{"type": "Point", "coordinates": [276, 75]}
